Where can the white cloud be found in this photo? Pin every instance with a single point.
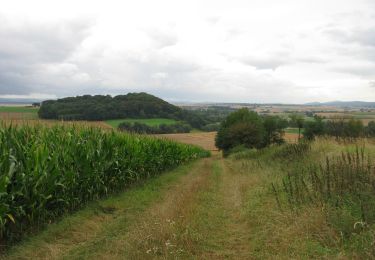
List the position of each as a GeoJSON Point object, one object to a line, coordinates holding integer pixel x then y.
{"type": "Point", "coordinates": [249, 51]}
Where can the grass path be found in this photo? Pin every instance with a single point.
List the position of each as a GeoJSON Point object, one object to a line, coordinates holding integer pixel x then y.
{"type": "Point", "coordinates": [194, 212]}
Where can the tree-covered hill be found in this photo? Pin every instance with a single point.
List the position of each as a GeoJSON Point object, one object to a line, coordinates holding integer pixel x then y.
{"type": "Point", "coordinates": [99, 107]}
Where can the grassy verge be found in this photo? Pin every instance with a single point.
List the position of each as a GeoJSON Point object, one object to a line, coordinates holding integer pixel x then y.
{"type": "Point", "coordinates": [310, 223]}
{"type": "Point", "coordinates": [149, 121]}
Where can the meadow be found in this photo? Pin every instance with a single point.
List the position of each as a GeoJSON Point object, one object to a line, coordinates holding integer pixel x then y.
{"type": "Point", "coordinates": [311, 200]}
{"type": "Point", "coordinates": [18, 109]}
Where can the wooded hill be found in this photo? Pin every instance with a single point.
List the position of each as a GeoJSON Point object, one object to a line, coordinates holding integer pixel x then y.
{"type": "Point", "coordinates": [132, 105]}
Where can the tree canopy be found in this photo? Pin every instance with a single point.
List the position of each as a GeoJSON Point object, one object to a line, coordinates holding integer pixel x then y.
{"type": "Point", "coordinates": [246, 128]}
{"type": "Point", "coordinates": [87, 107]}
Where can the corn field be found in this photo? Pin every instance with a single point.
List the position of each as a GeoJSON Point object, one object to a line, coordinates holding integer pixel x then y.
{"type": "Point", "coordinates": [48, 171]}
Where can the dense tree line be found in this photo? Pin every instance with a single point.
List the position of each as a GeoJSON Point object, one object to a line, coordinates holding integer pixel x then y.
{"type": "Point", "coordinates": [339, 128]}
{"type": "Point", "coordinates": [250, 130]}
{"type": "Point", "coordinates": [87, 107]}
{"type": "Point", "coordinates": [132, 105]}
{"type": "Point", "coordinates": [160, 129]}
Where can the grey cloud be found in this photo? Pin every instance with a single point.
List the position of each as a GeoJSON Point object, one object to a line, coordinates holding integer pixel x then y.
{"type": "Point", "coordinates": [24, 50]}
{"type": "Point", "coordinates": [363, 69]}
{"type": "Point", "coordinates": [360, 36]}
{"type": "Point", "coordinates": [161, 38]}
{"type": "Point", "coordinates": [262, 63]}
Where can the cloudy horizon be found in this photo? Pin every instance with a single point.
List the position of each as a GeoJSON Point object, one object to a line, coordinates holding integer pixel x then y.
{"type": "Point", "coordinates": [292, 51]}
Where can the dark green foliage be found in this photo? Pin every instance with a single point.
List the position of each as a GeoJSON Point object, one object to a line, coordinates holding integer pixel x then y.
{"type": "Point", "coordinates": [214, 113]}
{"type": "Point", "coordinates": [291, 152]}
{"type": "Point", "coordinates": [211, 127]}
{"type": "Point", "coordinates": [370, 129]}
{"type": "Point", "coordinates": [161, 129]}
{"type": "Point", "coordinates": [297, 120]}
{"type": "Point", "coordinates": [46, 172]}
{"type": "Point", "coordinates": [314, 128]}
{"type": "Point", "coordinates": [339, 128]}
{"type": "Point", "coordinates": [242, 127]}
{"type": "Point", "coordinates": [132, 105]}
{"type": "Point", "coordinates": [347, 129]}
{"type": "Point", "coordinates": [246, 128]}
{"type": "Point", "coordinates": [274, 129]}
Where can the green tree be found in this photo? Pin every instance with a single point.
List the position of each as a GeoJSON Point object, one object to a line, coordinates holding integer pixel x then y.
{"type": "Point", "coordinates": [242, 127]}
{"type": "Point", "coordinates": [313, 128]}
{"type": "Point", "coordinates": [370, 129]}
{"type": "Point", "coordinates": [298, 121]}
{"type": "Point", "coordinates": [274, 129]}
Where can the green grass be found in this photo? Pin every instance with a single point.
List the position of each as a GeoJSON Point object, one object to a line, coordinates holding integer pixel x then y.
{"type": "Point", "coordinates": [292, 130]}
{"type": "Point", "coordinates": [15, 109]}
{"type": "Point", "coordinates": [304, 226]}
{"type": "Point", "coordinates": [149, 121]}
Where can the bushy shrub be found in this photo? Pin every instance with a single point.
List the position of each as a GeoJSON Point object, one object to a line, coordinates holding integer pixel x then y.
{"type": "Point", "coordinates": [140, 128]}
{"type": "Point", "coordinates": [248, 129]}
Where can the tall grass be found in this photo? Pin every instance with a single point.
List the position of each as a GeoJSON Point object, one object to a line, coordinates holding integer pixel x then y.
{"type": "Point", "coordinates": [343, 185]}
{"type": "Point", "coordinates": [45, 172]}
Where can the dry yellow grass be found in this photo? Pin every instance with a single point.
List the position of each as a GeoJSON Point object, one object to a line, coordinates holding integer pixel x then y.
{"type": "Point", "coordinates": [31, 122]}
{"type": "Point", "coordinates": [291, 137]}
{"type": "Point", "coordinates": [205, 140]}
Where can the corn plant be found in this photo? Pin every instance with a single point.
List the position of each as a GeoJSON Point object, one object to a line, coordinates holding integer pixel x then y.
{"type": "Point", "coordinates": [45, 172]}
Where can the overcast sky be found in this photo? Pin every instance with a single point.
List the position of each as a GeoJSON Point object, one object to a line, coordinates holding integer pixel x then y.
{"type": "Point", "coordinates": [290, 51]}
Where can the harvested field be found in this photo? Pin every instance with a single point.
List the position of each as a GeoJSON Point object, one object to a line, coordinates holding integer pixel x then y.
{"type": "Point", "coordinates": [17, 116]}
{"type": "Point", "coordinates": [364, 117]}
{"type": "Point", "coordinates": [205, 140]}
{"type": "Point", "coordinates": [291, 137]}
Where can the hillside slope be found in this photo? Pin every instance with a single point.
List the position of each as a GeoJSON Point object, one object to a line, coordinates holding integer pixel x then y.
{"type": "Point", "coordinates": [87, 107]}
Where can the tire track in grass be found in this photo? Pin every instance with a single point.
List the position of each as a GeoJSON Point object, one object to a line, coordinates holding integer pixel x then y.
{"type": "Point", "coordinates": [161, 231]}
{"type": "Point", "coordinates": [194, 213]}
{"type": "Point", "coordinates": [220, 219]}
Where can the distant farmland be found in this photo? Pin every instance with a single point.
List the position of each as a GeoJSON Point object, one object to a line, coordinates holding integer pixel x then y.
{"type": "Point", "coordinates": [150, 121]}
{"type": "Point", "coordinates": [18, 112]}
{"type": "Point", "coordinates": [365, 117]}
{"type": "Point", "coordinates": [18, 109]}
